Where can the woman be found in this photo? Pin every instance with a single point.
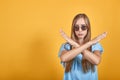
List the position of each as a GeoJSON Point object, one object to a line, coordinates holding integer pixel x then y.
{"type": "Point", "coordinates": [80, 55]}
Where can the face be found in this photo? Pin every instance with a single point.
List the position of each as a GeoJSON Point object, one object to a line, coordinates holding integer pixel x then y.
{"type": "Point", "coordinates": [80, 28]}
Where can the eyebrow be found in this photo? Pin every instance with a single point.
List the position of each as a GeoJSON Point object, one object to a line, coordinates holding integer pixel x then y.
{"type": "Point", "coordinates": [78, 24]}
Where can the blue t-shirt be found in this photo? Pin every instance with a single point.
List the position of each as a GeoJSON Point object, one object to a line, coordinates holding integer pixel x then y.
{"type": "Point", "coordinates": [76, 72]}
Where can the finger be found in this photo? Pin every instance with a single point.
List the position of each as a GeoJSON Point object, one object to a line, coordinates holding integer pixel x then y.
{"type": "Point", "coordinates": [104, 35]}
{"type": "Point", "coordinates": [62, 32]}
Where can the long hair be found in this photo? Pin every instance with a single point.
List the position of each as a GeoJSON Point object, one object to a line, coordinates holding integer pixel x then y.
{"type": "Point", "coordinates": [86, 65]}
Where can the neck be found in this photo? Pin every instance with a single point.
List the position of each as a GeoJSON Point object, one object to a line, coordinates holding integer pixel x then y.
{"type": "Point", "coordinates": [80, 41]}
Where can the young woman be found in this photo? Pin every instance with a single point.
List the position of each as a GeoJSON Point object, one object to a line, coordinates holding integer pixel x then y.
{"type": "Point", "coordinates": [80, 55]}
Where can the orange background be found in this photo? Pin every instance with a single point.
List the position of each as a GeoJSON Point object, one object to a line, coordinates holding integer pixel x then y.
{"type": "Point", "coordinates": [30, 39]}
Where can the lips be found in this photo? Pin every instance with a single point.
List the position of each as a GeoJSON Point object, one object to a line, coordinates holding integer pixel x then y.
{"type": "Point", "coordinates": [80, 34]}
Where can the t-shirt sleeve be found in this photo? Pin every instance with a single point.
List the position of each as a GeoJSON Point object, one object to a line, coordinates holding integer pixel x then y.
{"type": "Point", "coordinates": [61, 49]}
{"type": "Point", "coordinates": [97, 46]}
{"type": "Point", "coordinates": [64, 46]}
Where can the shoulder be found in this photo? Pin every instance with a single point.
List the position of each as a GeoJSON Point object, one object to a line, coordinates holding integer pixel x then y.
{"type": "Point", "coordinates": [97, 46]}
{"type": "Point", "coordinates": [64, 46]}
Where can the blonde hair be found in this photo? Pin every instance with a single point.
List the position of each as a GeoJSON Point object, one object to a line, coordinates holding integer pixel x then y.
{"type": "Point", "coordinates": [85, 64]}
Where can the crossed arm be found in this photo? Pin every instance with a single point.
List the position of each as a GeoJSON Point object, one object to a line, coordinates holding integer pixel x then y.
{"type": "Point", "coordinates": [69, 55]}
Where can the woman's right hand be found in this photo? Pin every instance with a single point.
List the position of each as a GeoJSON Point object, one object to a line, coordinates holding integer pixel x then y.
{"type": "Point", "coordinates": [68, 39]}
{"type": "Point", "coordinates": [98, 38]}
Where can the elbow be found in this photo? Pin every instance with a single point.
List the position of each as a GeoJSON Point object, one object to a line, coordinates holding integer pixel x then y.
{"type": "Point", "coordinates": [97, 62]}
{"type": "Point", "coordinates": [63, 59]}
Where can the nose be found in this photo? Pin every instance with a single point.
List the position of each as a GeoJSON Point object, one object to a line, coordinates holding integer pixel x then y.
{"type": "Point", "coordinates": [80, 29]}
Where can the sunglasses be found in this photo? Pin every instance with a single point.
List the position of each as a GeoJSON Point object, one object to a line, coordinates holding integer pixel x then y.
{"type": "Point", "coordinates": [83, 27]}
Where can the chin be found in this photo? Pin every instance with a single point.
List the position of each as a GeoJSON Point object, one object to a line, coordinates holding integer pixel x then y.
{"type": "Point", "coordinates": [80, 37]}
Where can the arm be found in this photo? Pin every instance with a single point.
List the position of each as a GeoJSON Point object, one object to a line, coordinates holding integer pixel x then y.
{"type": "Point", "coordinates": [93, 58]}
{"type": "Point", "coordinates": [69, 40]}
{"type": "Point", "coordinates": [69, 55]}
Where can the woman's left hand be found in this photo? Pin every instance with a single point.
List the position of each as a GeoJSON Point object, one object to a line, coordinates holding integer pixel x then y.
{"type": "Point", "coordinates": [98, 38]}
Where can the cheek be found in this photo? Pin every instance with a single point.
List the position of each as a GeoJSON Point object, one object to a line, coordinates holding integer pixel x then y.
{"type": "Point", "coordinates": [85, 33]}
{"type": "Point", "coordinates": [76, 32]}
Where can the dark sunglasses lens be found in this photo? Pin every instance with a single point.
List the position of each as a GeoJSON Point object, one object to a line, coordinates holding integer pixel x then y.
{"type": "Point", "coordinates": [83, 27]}
{"type": "Point", "coordinates": [76, 28]}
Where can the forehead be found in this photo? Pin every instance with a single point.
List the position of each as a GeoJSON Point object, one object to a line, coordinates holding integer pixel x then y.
{"type": "Point", "coordinates": [80, 21]}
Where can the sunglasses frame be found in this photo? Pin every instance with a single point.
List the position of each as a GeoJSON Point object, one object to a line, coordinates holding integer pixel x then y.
{"type": "Point", "coordinates": [83, 27]}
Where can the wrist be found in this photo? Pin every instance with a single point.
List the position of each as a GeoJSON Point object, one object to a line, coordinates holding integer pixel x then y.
{"type": "Point", "coordinates": [83, 52]}
{"type": "Point", "coordinates": [89, 43]}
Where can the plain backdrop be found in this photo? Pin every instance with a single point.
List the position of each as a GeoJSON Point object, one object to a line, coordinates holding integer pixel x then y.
{"type": "Point", "coordinates": [30, 39]}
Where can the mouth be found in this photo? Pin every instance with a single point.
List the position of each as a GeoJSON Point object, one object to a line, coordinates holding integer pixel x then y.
{"type": "Point", "coordinates": [80, 34]}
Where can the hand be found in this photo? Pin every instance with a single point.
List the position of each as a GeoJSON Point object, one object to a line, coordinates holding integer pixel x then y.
{"type": "Point", "coordinates": [68, 39]}
{"type": "Point", "coordinates": [98, 38]}
{"type": "Point", "coordinates": [63, 34]}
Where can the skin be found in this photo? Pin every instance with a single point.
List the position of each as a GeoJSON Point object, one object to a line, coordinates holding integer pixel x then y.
{"type": "Point", "coordinates": [83, 33]}
{"type": "Point", "coordinates": [94, 57]}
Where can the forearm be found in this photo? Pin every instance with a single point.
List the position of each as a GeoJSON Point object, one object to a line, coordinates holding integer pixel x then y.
{"type": "Point", "coordinates": [73, 43]}
{"type": "Point", "coordinates": [69, 55]}
{"type": "Point", "coordinates": [91, 57]}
